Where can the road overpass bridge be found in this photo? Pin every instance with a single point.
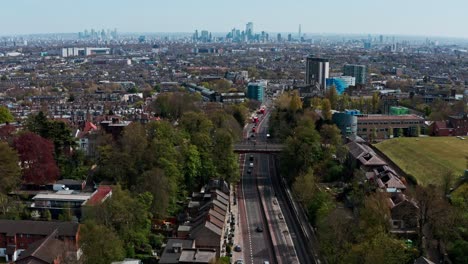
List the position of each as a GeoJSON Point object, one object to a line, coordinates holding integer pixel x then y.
{"type": "Point", "coordinates": [257, 147]}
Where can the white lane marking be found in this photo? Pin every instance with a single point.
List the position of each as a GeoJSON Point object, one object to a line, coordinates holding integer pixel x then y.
{"type": "Point", "coordinates": [247, 215]}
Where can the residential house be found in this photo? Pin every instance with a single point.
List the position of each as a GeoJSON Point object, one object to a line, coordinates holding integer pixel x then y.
{"type": "Point", "coordinates": [60, 201]}
{"type": "Point", "coordinates": [17, 236]}
{"type": "Point", "coordinates": [197, 256]}
{"type": "Point", "coordinates": [173, 250]}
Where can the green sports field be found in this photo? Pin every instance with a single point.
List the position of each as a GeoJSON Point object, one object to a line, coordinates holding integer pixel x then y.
{"type": "Point", "coordinates": [427, 158]}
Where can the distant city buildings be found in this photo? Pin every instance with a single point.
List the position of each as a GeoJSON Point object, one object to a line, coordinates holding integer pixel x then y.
{"type": "Point", "coordinates": [103, 34]}
{"type": "Point", "coordinates": [77, 52]}
{"type": "Point", "coordinates": [249, 31]}
{"type": "Point", "coordinates": [317, 71]}
{"type": "Point", "coordinates": [341, 83]}
{"type": "Point", "coordinates": [357, 71]}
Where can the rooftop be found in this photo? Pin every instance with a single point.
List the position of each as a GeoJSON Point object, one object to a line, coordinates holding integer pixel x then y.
{"type": "Point", "coordinates": [389, 117]}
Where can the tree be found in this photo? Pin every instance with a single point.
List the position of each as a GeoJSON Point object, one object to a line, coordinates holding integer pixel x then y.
{"type": "Point", "coordinates": [128, 214]}
{"type": "Point", "coordinates": [97, 250]}
{"type": "Point", "coordinates": [326, 109]}
{"type": "Point", "coordinates": [36, 159]}
{"type": "Point", "coordinates": [5, 115]}
{"type": "Point", "coordinates": [134, 143]}
{"type": "Point", "coordinates": [224, 158]}
{"type": "Point", "coordinates": [295, 103]}
{"type": "Point", "coordinates": [332, 96]}
{"type": "Point", "coordinates": [9, 170]}
{"type": "Point", "coordinates": [417, 131]}
{"type": "Point", "coordinates": [163, 189]}
{"type": "Point", "coordinates": [56, 131]}
{"type": "Point", "coordinates": [381, 248]}
{"type": "Point", "coordinates": [400, 132]}
{"type": "Point", "coordinates": [375, 102]}
{"type": "Point", "coordinates": [304, 187]}
{"type": "Point", "coordinates": [432, 209]}
{"type": "Point", "coordinates": [374, 217]}
{"type": "Point", "coordinates": [191, 166]}
{"type": "Point", "coordinates": [390, 132]}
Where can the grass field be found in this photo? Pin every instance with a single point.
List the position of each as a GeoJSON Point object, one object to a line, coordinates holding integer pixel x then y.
{"type": "Point", "coordinates": [427, 158]}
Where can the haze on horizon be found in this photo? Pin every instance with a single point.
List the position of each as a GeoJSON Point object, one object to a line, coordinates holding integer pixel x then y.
{"type": "Point", "coordinates": [397, 17]}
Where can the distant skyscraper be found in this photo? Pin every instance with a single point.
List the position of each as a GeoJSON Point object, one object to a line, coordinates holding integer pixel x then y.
{"type": "Point", "coordinates": [357, 71]}
{"type": "Point", "coordinates": [381, 39]}
{"type": "Point", "coordinates": [249, 31]}
{"type": "Point", "coordinates": [289, 38]}
{"type": "Point", "coordinates": [300, 33]}
{"type": "Point", "coordinates": [317, 70]}
{"type": "Point", "coordinates": [278, 37]}
{"type": "Point", "coordinates": [205, 36]}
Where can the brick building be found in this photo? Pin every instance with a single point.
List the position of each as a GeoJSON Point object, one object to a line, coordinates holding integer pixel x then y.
{"type": "Point", "coordinates": [453, 126]}
{"type": "Point", "coordinates": [383, 124]}
{"type": "Point", "coordinates": [17, 236]}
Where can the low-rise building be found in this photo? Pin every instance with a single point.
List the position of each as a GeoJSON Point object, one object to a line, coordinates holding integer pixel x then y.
{"type": "Point", "coordinates": [17, 236]}
{"type": "Point", "coordinates": [381, 126]}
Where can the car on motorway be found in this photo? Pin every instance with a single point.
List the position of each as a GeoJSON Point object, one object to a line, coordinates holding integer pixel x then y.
{"type": "Point", "coordinates": [249, 171]}
{"type": "Point", "coordinates": [259, 229]}
{"type": "Point", "coordinates": [251, 157]}
{"type": "Point", "coordinates": [239, 261]}
{"type": "Point", "coordinates": [237, 248]}
{"type": "Point", "coordinates": [266, 262]}
{"type": "Point", "coordinates": [251, 165]}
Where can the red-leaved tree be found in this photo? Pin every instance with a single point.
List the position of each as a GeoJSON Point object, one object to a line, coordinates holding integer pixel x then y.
{"type": "Point", "coordinates": [37, 159]}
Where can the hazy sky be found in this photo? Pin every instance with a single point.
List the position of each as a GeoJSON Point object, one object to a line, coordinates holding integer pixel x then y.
{"type": "Point", "coordinates": [406, 17]}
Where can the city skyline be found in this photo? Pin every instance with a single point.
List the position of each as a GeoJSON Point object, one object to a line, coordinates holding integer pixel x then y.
{"type": "Point", "coordinates": [415, 18]}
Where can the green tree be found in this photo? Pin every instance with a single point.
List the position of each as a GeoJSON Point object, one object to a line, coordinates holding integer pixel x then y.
{"type": "Point", "coordinates": [191, 166]}
{"type": "Point", "coordinates": [305, 187]}
{"type": "Point", "coordinates": [47, 215]}
{"type": "Point", "coordinates": [224, 157]}
{"type": "Point", "coordinates": [326, 109]}
{"type": "Point", "coordinates": [5, 115]}
{"type": "Point", "coordinates": [417, 131]}
{"type": "Point", "coordinates": [372, 251]}
{"type": "Point", "coordinates": [400, 132]}
{"type": "Point", "coordinates": [375, 103]}
{"type": "Point", "coordinates": [163, 189]}
{"type": "Point", "coordinates": [332, 96]}
{"type": "Point", "coordinates": [128, 214]}
{"type": "Point", "coordinates": [10, 173]}
{"type": "Point", "coordinates": [97, 250]}
{"type": "Point", "coordinates": [295, 103]}
{"type": "Point", "coordinates": [316, 103]}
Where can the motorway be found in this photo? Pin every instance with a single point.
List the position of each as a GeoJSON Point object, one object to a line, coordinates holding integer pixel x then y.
{"type": "Point", "coordinates": [263, 203]}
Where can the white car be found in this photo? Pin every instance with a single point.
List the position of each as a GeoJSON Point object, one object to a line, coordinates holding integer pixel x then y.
{"type": "Point", "coordinates": [251, 165]}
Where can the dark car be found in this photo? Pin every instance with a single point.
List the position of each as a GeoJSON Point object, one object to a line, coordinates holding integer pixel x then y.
{"type": "Point", "coordinates": [259, 229]}
{"type": "Point", "coordinates": [237, 248]}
